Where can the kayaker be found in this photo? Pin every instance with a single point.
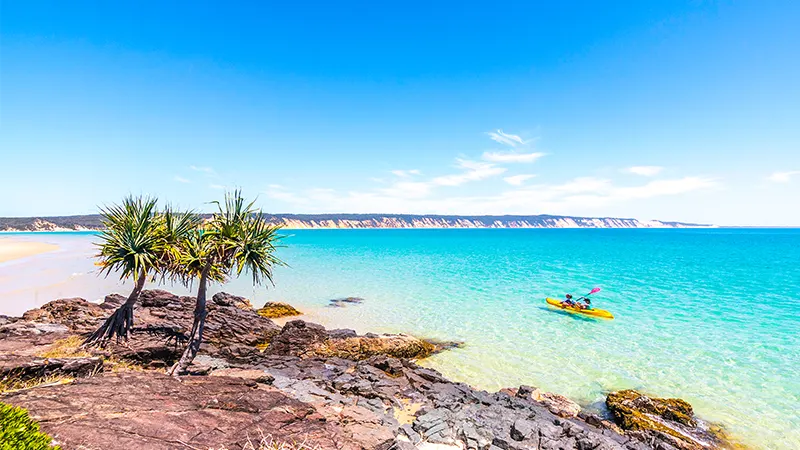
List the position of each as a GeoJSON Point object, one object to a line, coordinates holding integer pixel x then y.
{"type": "Point", "coordinates": [587, 305]}
{"type": "Point", "coordinates": [568, 301]}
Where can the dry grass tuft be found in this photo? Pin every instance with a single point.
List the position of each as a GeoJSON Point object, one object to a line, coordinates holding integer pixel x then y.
{"type": "Point", "coordinates": [71, 347]}
{"type": "Point", "coordinates": [12, 384]}
{"type": "Point", "coordinates": [115, 364]}
{"type": "Point", "coordinates": [262, 346]}
{"type": "Point", "coordinates": [266, 442]}
{"type": "Point", "coordinates": [66, 348]}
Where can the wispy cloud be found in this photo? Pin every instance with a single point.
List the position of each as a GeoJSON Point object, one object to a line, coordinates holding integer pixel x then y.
{"type": "Point", "coordinates": [512, 140]}
{"type": "Point", "coordinates": [579, 196]}
{"type": "Point", "coordinates": [217, 186]}
{"type": "Point", "coordinates": [180, 179]}
{"type": "Point", "coordinates": [783, 177]}
{"type": "Point", "coordinates": [472, 171]}
{"type": "Point", "coordinates": [511, 157]}
{"type": "Point", "coordinates": [206, 170]}
{"type": "Point", "coordinates": [409, 191]}
{"type": "Point", "coordinates": [406, 173]}
{"type": "Point", "coordinates": [645, 171]}
{"type": "Point", "coordinates": [518, 180]}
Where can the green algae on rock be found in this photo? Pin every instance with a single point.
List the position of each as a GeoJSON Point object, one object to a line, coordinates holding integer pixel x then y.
{"type": "Point", "coordinates": [633, 410]}
{"type": "Point", "coordinates": [670, 418]}
{"type": "Point", "coordinates": [274, 310]}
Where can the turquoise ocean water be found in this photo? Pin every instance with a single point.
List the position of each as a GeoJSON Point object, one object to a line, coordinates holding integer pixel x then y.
{"type": "Point", "coordinates": [708, 315]}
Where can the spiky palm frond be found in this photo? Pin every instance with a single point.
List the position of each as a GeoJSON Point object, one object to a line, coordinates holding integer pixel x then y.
{"type": "Point", "coordinates": [237, 238]}
{"type": "Point", "coordinates": [196, 253]}
{"type": "Point", "coordinates": [255, 250]}
{"type": "Point", "coordinates": [130, 243]}
{"type": "Point", "coordinates": [175, 228]}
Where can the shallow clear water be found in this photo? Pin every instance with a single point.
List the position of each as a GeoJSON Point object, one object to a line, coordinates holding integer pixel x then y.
{"type": "Point", "coordinates": [711, 316]}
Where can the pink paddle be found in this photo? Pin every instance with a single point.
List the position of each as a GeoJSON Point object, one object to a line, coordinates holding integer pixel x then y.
{"type": "Point", "coordinates": [594, 291]}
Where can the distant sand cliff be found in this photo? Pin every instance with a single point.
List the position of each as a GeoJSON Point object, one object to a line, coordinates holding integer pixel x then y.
{"type": "Point", "coordinates": [300, 221]}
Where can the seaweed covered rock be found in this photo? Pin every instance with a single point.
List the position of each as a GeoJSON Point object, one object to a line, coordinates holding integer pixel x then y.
{"type": "Point", "coordinates": [668, 420]}
{"type": "Point", "coordinates": [635, 411]}
{"type": "Point", "coordinates": [306, 340]}
{"type": "Point", "coordinates": [273, 310]}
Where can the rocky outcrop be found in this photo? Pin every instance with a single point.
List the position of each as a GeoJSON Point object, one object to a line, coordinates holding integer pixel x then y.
{"type": "Point", "coordinates": [76, 314]}
{"type": "Point", "coordinates": [274, 310]}
{"type": "Point", "coordinates": [309, 340]}
{"type": "Point", "coordinates": [409, 406]}
{"type": "Point", "coordinates": [129, 410]}
{"type": "Point", "coordinates": [665, 420]}
{"type": "Point", "coordinates": [231, 321]}
{"type": "Point", "coordinates": [327, 388]}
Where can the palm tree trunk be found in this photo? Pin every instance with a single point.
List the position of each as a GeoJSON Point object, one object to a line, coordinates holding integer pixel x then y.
{"type": "Point", "coordinates": [120, 323]}
{"type": "Point", "coordinates": [196, 337]}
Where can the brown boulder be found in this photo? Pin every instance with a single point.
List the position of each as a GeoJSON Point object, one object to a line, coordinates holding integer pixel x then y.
{"type": "Point", "coordinates": [555, 403]}
{"type": "Point", "coordinates": [274, 310]}
{"type": "Point", "coordinates": [225, 299]}
{"type": "Point", "coordinates": [77, 314]}
{"type": "Point", "coordinates": [227, 323]}
{"type": "Point", "coordinates": [157, 298]}
{"type": "Point", "coordinates": [303, 339]}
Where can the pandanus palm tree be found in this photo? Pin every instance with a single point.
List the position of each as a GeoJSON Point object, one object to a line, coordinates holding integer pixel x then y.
{"type": "Point", "coordinates": [139, 242]}
{"type": "Point", "coordinates": [236, 239]}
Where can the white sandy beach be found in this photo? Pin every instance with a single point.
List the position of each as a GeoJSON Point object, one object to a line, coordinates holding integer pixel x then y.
{"type": "Point", "coordinates": [12, 249]}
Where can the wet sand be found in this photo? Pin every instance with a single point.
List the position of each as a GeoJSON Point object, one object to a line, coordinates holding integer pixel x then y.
{"type": "Point", "coordinates": [11, 250]}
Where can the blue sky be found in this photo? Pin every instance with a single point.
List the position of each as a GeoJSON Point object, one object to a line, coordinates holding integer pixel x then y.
{"type": "Point", "coordinates": [656, 110]}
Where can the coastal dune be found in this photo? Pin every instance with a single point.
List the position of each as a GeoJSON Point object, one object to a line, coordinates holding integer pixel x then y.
{"type": "Point", "coordinates": [13, 249]}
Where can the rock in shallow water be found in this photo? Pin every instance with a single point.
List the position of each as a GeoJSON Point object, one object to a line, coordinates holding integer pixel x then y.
{"type": "Point", "coordinates": [300, 338]}
{"type": "Point", "coordinates": [341, 302]}
{"type": "Point", "coordinates": [666, 420]}
{"type": "Point", "coordinates": [273, 310]}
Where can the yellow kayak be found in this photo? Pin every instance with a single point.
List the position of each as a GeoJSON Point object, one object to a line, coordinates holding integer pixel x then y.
{"type": "Point", "coordinates": [588, 312]}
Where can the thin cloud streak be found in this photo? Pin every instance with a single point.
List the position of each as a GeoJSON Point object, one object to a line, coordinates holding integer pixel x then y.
{"type": "Point", "coordinates": [206, 170]}
{"type": "Point", "coordinates": [518, 180]}
{"type": "Point", "coordinates": [510, 157]}
{"type": "Point", "coordinates": [645, 171]}
{"type": "Point", "coordinates": [473, 171]}
{"type": "Point", "coordinates": [406, 173]}
{"type": "Point", "coordinates": [180, 179]}
{"type": "Point", "coordinates": [783, 177]}
{"type": "Point", "coordinates": [512, 140]}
